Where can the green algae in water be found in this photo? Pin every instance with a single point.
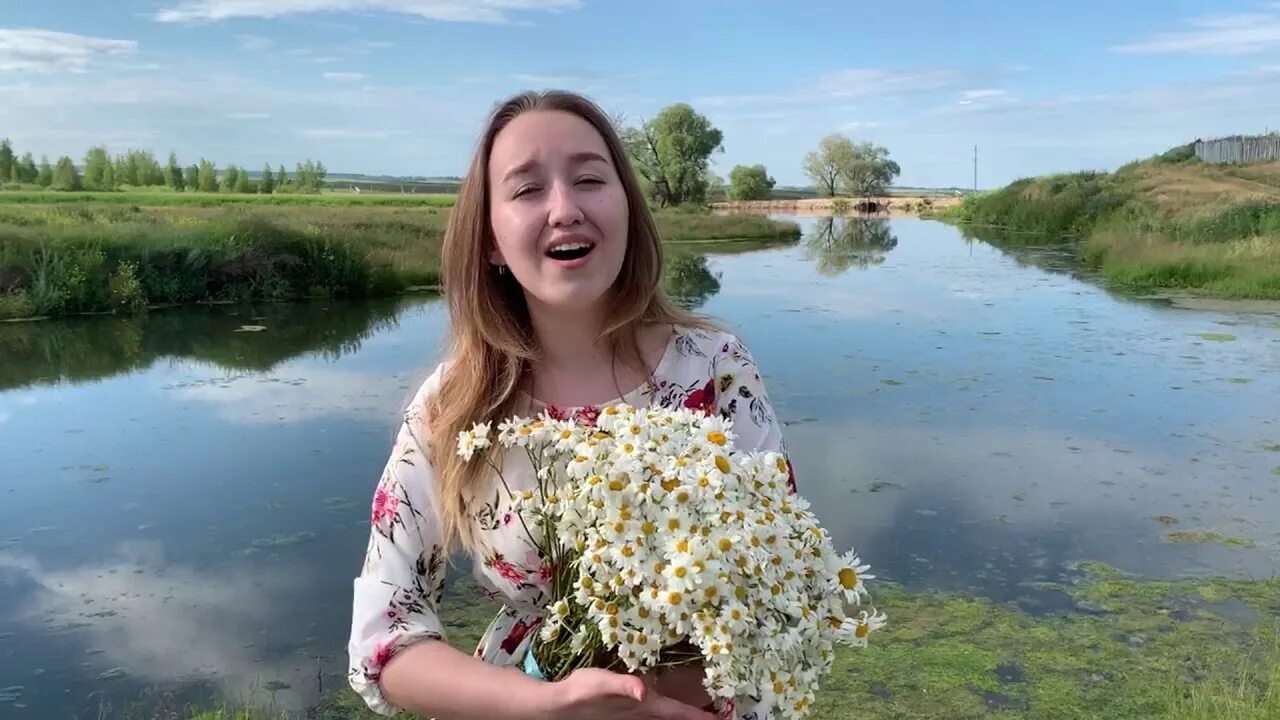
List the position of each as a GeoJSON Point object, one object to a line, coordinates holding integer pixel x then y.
{"type": "Point", "coordinates": [1207, 536]}
{"type": "Point", "coordinates": [1240, 380]}
{"type": "Point", "coordinates": [891, 382]}
{"type": "Point", "coordinates": [1216, 337]}
{"type": "Point", "coordinates": [1154, 650]}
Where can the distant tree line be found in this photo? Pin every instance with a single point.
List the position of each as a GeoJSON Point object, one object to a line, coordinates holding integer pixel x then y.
{"type": "Point", "coordinates": [140, 169]}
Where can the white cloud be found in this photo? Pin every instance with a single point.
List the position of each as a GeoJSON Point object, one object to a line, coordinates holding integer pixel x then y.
{"type": "Point", "coordinates": [255, 43]}
{"type": "Point", "coordinates": [860, 125]}
{"type": "Point", "coordinates": [324, 59]}
{"type": "Point", "coordinates": [484, 11]}
{"type": "Point", "coordinates": [30, 50]}
{"type": "Point", "coordinates": [1216, 35]}
{"type": "Point", "coordinates": [344, 76]}
{"type": "Point", "coordinates": [854, 84]}
{"type": "Point", "coordinates": [343, 134]}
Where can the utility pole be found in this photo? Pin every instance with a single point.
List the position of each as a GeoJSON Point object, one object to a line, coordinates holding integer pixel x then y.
{"type": "Point", "coordinates": [975, 168]}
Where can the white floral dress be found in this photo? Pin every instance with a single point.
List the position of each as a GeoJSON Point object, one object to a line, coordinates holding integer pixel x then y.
{"type": "Point", "coordinates": [398, 594]}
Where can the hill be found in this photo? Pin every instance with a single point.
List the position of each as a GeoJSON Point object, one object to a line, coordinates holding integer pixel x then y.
{"type": "Point", "coordinates": [1165, 222]}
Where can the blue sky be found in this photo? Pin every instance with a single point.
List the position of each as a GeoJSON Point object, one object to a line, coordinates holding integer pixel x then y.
{"type": "Point", "coordinates": [402, 86]}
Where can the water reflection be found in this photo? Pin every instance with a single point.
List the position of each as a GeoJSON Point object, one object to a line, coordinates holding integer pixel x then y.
{"type": "Point", "coordinates": [840, 243]}
{"type": "Point", "coordinates": [256, 339]}
{"type": "Point", "coordinates": [689, 280]}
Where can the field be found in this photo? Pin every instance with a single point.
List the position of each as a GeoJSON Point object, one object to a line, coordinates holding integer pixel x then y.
{"type": "Point", "coordinates": [1160, 224]}
{"type": "Point", "coordinates": [120, 252]}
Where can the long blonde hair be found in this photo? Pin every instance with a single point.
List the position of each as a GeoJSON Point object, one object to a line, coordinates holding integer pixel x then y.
{"type": "Point", "coordinates": [491, 339]}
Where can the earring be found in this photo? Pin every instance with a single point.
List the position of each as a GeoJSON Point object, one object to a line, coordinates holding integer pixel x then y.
{"type": "Point", "coordinates": [502, 269]}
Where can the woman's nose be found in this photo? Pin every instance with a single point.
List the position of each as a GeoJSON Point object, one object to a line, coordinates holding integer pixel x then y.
{"type": "Point", "coordinates": [564, 208]}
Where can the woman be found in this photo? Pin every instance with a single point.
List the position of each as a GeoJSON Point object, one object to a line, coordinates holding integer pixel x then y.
{"type": "Point", "coordinates": [552, 270]}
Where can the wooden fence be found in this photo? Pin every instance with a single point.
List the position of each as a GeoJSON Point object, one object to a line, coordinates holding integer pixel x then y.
{"type": "Point", "coordinates": [1239, 150]}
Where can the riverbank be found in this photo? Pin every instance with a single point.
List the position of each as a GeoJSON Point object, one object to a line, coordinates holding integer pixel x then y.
{"type": "Point", "coordinates": [892, 206]}
{"type": "Point", "coordinates": [59, 259]}
{"type": "Point", "coordinates": [1169, 223]}
{"type": "Point", "coordinates": [1114, 646]}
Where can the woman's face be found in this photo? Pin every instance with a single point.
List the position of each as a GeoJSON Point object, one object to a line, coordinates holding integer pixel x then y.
{"type": "Point", "coordinates": [558, 211]}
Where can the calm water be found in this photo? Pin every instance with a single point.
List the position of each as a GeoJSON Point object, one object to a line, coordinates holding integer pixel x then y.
{"type": "Point", "coordinates": [183, 501]}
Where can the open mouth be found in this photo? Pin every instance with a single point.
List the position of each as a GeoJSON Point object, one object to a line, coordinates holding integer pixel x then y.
{"type": "Point", "coordinates": [569, 251]}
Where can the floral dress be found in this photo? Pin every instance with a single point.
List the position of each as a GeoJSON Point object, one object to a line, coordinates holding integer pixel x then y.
{"type": "Point", "coordinates": [398, 594]}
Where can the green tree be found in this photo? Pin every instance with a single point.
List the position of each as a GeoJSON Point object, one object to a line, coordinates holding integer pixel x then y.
{"type": "Point", "coordinates": [282, 179]}
{"type": "Point", "coordinates": [15, 172]}
{"type": "Point", "coordinates": [173, 173]}
{"type": "Point", "coordinates": [45, 178]}
{"type": "Point", "coordinates": [229, 178]}
{"type": "Point", "coordinates": [109, 176]}
{"type": "Point", "coordinates": [96, 162]}
{"type": "Point", "coordinates": [126, 171]}
{"type": "Point", "coordinates": [29, 171]}
{"type": "Point", "coordinates": [832, 159]}
{"type": "Point", "coordinates": [749, 183]}
{"type": "Point", "coordinates": [267, 183]}
{"type": "Point", "coordinates": [191, 178]}
{"type": "Point", "coordinates": [672, 152]}
{"type": "Point", "coordinates": [243, 183]}
{"type": "Point", "coordinates": [6, 159]}
{"type": "Point", "coordinates": [208, 177]}
{"type": "Point", "coordinates": [871, 171]}
{"type": "Point", "coordinates": [65, 175]}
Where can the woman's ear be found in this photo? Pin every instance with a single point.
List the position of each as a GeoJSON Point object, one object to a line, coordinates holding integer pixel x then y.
{"type": "Point", "coordinates": [495, 257]}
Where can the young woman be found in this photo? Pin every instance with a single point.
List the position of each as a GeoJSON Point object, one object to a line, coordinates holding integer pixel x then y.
{"type": "Point", "coordinates": [552, 270]}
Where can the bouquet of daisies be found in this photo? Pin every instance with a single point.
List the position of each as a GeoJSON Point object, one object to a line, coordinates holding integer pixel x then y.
{"type": "Point", "coordinates": [670, 546]}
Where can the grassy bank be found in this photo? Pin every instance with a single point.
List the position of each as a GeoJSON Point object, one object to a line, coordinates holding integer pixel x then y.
{"type": "Point", "coordinates": [1185, 650]}
{"type": "Point", "coordinates": [62, 259]}
{"type": "Point", "coordinates": [153, 198]}
{"type": "Point", "coordinates": [1166, 223]}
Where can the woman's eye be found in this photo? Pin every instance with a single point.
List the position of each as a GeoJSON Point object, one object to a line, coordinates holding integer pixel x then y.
{"type": "Point", "coordinates": [590, 181]}
{"type": "Point", "coordinates": [525, 190]}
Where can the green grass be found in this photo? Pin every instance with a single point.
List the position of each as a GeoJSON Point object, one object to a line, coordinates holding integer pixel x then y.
{"type": "Point", "coordinates": [1169, 223]}
{"type": "Point", "coordinates": [1148, 649]}
{"type": "Point", "coordinates": [61, 258]}
{"type": "Point", "coordinates": [196, 199]}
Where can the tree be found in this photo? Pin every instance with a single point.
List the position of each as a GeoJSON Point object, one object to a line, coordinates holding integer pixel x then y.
{"type": "Point", "coordinates": [871, 171]}
{"type": "Point", "coordinates": [191, 178]}
{"type": "Point", "coordinates": [173, 173]}
{"type": "Point", "coordinates": [29, 172]}
{"type": "Point", "coordinates": [126, 173]}
{"type": "Point", "coordinates": [96, 162]}
{"type": "Point", "coordinates": [6, 160]}
{"type": "Point", "coordinates": [229, 178]}
{"type": "Point", "coordinates": [267, 183]}
{"type": "Point", "coordinates": [45, 178]}
{"type": "Point", "coordinates": [207, 178]}
{"type": "Point", "coordinates": [282, 178]}
{"type": "Point", "coordinates": [832, 159]}
{"type": "Point", "coordinates": [65, 175]}
{"type": "Point", "coordinates": [749, 183]}
{"type": "Point", "coordinates": [243, 183]}
{"type": "Point", "coordinates": [671, 153]}
{"type": "Point", "coordinates": [109, 177]}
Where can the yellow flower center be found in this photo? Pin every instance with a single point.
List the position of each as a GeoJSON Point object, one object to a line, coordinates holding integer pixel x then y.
{"type": "Point", "coordinates": [616, 485]}
{"type": "Point", "coordinates": [861, 631]}
{"type": "Point", "coordinates": [722, 463]}
{"type": "Point", "coordinates": [848, 578]}
{"type": "Point", "coordinates": [726, 544]}
{"type": "Point", "coordinates": [680, 571]}
{"type": "Point", "coordinates": [715, 437]}
{"type": "Point", "coordinates": [670, 484]}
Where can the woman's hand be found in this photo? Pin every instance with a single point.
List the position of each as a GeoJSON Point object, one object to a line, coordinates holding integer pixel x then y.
{"type": "Point", "coordinates": [595, 694]}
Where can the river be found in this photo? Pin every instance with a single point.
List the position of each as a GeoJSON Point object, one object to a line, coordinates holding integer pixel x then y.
{"type": "Point", "coordinates": [184, 498]}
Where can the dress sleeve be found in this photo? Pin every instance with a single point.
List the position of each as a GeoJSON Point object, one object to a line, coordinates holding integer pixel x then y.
{"type": "Point", "coordinates": [397, 594]}
{"type": "Point", "coordinates": [742, 398]}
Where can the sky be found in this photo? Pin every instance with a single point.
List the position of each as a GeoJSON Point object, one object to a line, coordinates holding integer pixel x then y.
{"type": "Point", "coordinates": [402, 87]}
